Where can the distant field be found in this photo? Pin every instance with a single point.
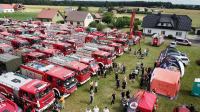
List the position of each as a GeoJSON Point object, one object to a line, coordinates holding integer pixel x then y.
{"type": "Point", "coordinates": [19, 15]}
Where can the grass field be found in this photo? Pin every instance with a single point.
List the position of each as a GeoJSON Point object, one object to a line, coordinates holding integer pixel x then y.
{"type": "Point", "coordinates": [32, 10]}
{"type": "Point", "coordinates": [79, 100]}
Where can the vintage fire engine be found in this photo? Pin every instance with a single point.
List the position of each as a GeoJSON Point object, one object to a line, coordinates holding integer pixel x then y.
{"type": "Point", "coordinates": [103, 58]}
{"type": "Point", "coordinates": [118, 48]}
{"type": "Point", "coordinates": [7, 105]}
{"type": "Point", "coordinates": [30, 38]}
{"type": "Point", "coordinates": [65, 48]}
{"type": "Point", "coordinates": [5, 48]}
{"type": "Point", "coordinates": [123, 42]}
{"type": "Point", "coordinates": [81, 70]}
{"type": "Point", "coordinates": [62, 80]}
{"type": "Point", "coordinates": [30, 94]}
{"type": "Point", "coordinates": [105, 48]}
{"type": "Point", "coordinates": [48, 51]}
{"type": "Point", "coordinates": [94, 67]}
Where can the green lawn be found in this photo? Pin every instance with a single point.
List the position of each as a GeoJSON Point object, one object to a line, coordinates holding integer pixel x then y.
{"type": "Point", "coordinates": [19, 15]}
{"type": "Point", "coordinates": [78, 101]}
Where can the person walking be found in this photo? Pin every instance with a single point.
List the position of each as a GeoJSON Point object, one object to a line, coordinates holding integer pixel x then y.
{"type": "Point", "coordinates": [96, 109]}
{"type": "Point", "coordinates": [91, 96]}
{"type": "Point", "coordinates": [95, 86]}
{"type": "Point", "coordinates": [113, 98]}
{"type": "Point", "coordinates": [127, 94]}
{"type": "Point", "coordinates": [91, 85]}
{"type": "Point", "coordinates": [106, 109]}
{"type": "Point", "coordinates": [124, 84]}
{"type": "Point", "coordinates": [62, 102]}
{"type": "Point", "coordinates": [123, 94]}
{"type": "Point", "coordinates": [88, 110]}
{"type": "Point", "coordinates": [117, 83]}
{"type": "Point", "coordinates": [116, 76]}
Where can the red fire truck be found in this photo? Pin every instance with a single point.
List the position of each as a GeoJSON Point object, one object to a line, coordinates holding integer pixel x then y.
{"type": "Point", "coordinates": [7, 105]}
{"type": "Point", "coordinates": [81, 70]}
{"type": "Point", "coordinates": [102, 57]}
{"type": "Point", "coordinates": [105, 48]}
{"type": "Point", "coordinates": [17, 43]}
{"type": "Point", "coordinates": [123, 42]}
{"type": "Point", "coordinates": [30, 94]}
{"type": "Point", "coordinates": [30, 38]}
{"type": "Point", "coordinates": [62, 80]}
{"type": "Point", "coordinates": [65, 48]}
{"type": "Point", "coordinates": [118, 48]}
{"type": "Point", "coordinates": [5, 48]}
{"type": "Point", "coordinates": [48, 51]}
{"type": "Point", "coordinates": [94, 67]}
{"type": "Point", "coordinates": [157, 40]}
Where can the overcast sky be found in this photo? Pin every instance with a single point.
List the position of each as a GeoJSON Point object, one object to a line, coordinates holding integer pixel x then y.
{"type": "Point", "coordinates": [190, 2]}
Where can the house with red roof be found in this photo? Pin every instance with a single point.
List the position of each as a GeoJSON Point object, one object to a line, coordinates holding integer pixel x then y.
{"type": "Point", "coordinates": [50, 15]}
{"type": "Point", "coordinates": [6, 8]}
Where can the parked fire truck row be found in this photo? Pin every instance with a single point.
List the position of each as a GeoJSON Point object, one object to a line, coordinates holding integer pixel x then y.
{"type": "Point", "coordinates": [47, 51]}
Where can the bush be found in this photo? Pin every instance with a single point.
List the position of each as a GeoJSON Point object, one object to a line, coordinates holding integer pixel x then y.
{"type": "Point", "coordinates": [99, 26]}
{"type": "Point", "coordinates": [107, 17]}
{"type": "Point", "coordinates": [170, 37]}
{"type": "Point", "coordinates": [198, 62]}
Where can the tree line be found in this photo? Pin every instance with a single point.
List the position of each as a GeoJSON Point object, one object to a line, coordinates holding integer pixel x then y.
{"type": "Point", "coordinates": [102, 3]}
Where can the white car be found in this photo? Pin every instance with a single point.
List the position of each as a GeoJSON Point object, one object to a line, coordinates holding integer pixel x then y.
{"type": "Point", "coordinates": [172, 44]}
{"type": "Point", "coordinates": [184, 59]}
{"type": "Point", "coordinates": [182, 41]}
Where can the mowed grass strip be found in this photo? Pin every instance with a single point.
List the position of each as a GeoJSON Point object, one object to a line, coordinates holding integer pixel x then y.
{"type": "Point", "coordinates": [79, 100]}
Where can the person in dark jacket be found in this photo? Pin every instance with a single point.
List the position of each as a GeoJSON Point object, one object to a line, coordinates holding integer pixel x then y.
{"type": "Point", "coordinates": [117, 83]}
{"type": "Point", "coordinates": [127, 94]}
{"type": "Point", "coordinates": [123, 94]}
{"type": "Point", "coordinates": [116, 76]}
{"type": "Point", "coordinates": [124, 84]}
{"type": "Point", "coordinates": [113, 98]}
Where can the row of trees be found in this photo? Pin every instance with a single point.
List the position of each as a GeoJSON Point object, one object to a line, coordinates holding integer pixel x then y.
{"type": "Point", "coordinates": [109, 20]}
{"type": "Point", "coordinates": [102, 3]}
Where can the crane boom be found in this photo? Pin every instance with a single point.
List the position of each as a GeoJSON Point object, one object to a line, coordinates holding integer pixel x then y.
{"type": "Point", "coordinates": [132, 24]}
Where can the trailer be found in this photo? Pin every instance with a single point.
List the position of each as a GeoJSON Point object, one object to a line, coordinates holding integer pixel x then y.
{"type": "Point", "coordinates": [63, 83]}
{"type": "Point", "coordinates": [30, 94]}
{"type": "Point", "coordinates": [157, 40]}
{"type": "Point", "coordinates": [81, 70]}
{"type": "Point", "coordinates": [9, 62]}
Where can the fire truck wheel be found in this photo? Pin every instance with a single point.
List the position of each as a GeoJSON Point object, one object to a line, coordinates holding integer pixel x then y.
{"type": "Point", "coordinates": [57, 93]}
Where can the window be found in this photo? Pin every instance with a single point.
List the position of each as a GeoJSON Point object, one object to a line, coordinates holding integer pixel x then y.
{"type": "Point", "coordinates": [49, 78]}
{"type": "Point", "coordinates": [59, 82]}
{"type": "Point", "coordinates": [71, 22]}
{"type": "Point", "coordinates": [57, 14]}
{"type": "Point", "coordinates": [163, 32]}
{"type": "Point", "coordinates": [78, 23]}
{"type": "Point", "coordinates": [89, 17]}
{"type": "Point", "coordinates": [149, 31]}
{"type": "Point", "coordinates": [178, 33]}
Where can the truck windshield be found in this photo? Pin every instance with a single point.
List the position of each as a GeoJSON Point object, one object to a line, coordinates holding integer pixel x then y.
{"type": "Point", "coordinates": [43, 93]}
{"type": "Point", "coordinates": [70, 82]}
{"type": "Point", "coordinates": [92, 63]}
{"type": "Point", "coordinates": [85, 71]}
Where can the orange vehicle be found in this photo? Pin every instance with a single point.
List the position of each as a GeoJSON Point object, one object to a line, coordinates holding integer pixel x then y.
{"type": "Point", "coordinates": [165, 82]}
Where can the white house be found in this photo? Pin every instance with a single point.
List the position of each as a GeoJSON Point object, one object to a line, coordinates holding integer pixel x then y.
{"type": "Point", "coordinates": [79, 18]}
{"type": "Point", "coordinates": [166, 24]}
{"type": "Point", "coordinates": [6, 8]}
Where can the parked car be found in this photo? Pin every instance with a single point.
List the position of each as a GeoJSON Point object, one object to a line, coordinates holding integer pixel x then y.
{"type": "Point", "coordinates": [172, 44]}
{"type": "Point", "coordinates": [183, 41]}
{"type": "Point", "coordinates": [181, 56]}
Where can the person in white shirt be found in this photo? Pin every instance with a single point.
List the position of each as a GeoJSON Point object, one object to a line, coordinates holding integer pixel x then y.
{"type": "Point", "coordinates": [96, 109]}
{"type": "Point", "coordinates": [88, 110]}
{"type": "Point", "coordinates": [106, 109]}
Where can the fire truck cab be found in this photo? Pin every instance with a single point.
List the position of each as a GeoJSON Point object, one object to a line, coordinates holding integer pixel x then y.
{"type": "Point", "coordinates": [123, 42]}
{"type": "Point", "coordinates": [94, 67]}
{"type": "Point", "coordinates": [118, 48]}
{"type": "Point", "coordinates": [65, 48]}
{"type": "Point", "coordinates": [5, 48]}
{"type": "Point", "coordinates": [17, 43]}
{"type": "Point", "coordinates": [61, 79]}
{"type": "Point", "coordinates": [81, 70]}
{"type": "Point", "coordinates": [7, 105]}
{"type": "Point", "coordinates": [31, 56]}
{"type": "Point", "coordinates": [157, 40]}
{"type": "Point", "coordinates": [30, 38]}
{"type": "Point", "coordinates": [103, 58]}
{"type": "Point", "coordinates": [30, 94]}
{"type": "Point", "coordinates": [48, 51]}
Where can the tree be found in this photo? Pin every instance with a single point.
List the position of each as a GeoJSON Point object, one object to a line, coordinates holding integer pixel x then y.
{"type": "Point", "coordinates": [107, 17]}
{"type": "Point", "coordinates": [99, 26]}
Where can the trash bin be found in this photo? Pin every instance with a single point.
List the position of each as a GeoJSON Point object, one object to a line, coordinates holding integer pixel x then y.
{"type": "Point", "coordinates": [196, 87]}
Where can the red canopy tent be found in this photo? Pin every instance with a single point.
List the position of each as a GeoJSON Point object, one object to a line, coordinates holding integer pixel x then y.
{"type": "Point", "coordinates": [146, 101]}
